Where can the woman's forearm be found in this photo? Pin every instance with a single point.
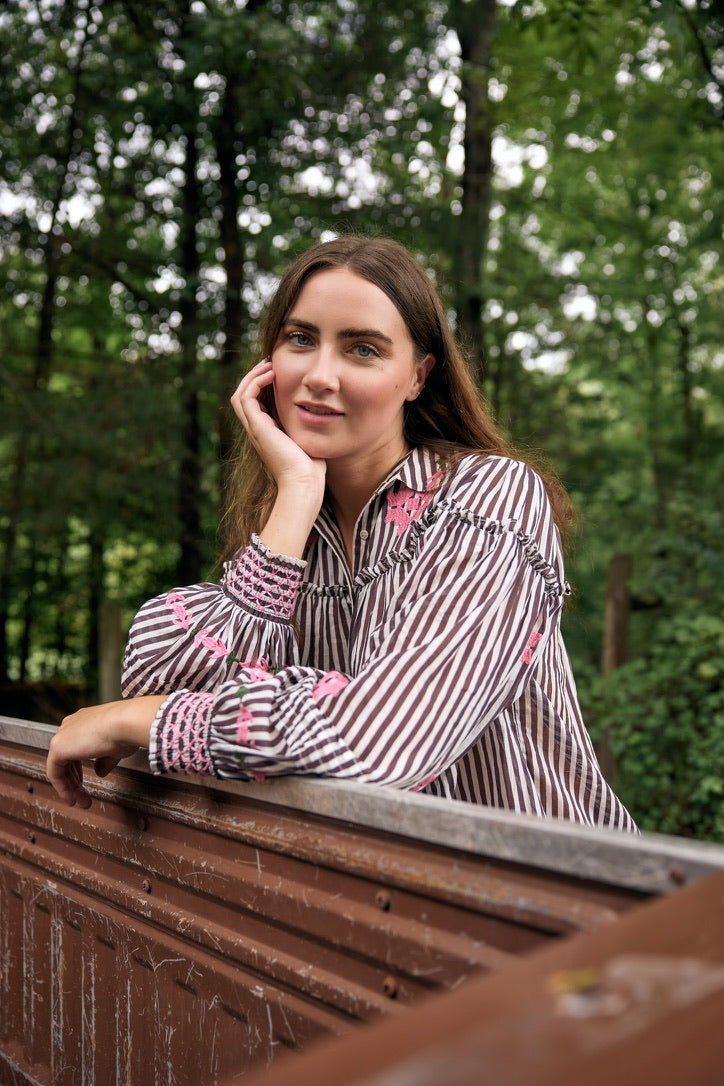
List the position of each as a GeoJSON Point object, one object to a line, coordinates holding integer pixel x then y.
{"type": "Point", "coordinates": [291, 520]}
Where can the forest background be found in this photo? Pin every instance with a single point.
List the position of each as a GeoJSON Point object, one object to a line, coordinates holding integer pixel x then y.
{"type": "Point", "coordinates": [555, 166]}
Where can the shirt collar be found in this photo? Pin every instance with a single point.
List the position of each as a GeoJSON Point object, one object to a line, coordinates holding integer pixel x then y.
{"type": "Point", "coordinates": [412, 472]}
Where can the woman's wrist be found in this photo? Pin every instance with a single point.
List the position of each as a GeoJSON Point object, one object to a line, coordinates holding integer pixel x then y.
{"type": "Point", "coordinates": [291, 520]}
{"type": "Point", "coordinates": [131, 719]}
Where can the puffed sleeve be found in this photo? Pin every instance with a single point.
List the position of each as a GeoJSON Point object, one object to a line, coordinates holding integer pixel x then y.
{"type": "Point", "coordinates": [464, 622]}
{"type": "Point", "coordinates": [197, 637]}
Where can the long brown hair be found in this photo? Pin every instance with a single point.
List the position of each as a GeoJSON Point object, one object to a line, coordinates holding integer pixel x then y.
{"type": "Point", "coordinates": [448, 416]}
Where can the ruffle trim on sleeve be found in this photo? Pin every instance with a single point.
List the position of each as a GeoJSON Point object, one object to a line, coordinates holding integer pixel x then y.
{"type": "Point", "coordinates": [554, 585]}
{"type": "Point", "coordinates": [180, 734]}
{"type": "Point", "coordinates": [264, 583]}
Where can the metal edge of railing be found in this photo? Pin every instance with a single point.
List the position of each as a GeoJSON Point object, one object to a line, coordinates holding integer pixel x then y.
{"type": "Point", "coordinates": [649, 862]}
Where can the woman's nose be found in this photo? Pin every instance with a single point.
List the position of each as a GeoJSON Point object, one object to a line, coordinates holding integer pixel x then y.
{"type": "Point", "coordinates": [322, 369]}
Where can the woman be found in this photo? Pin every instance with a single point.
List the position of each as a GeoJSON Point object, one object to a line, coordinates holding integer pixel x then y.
{"type": "Point", "coordinates": [390, 605]}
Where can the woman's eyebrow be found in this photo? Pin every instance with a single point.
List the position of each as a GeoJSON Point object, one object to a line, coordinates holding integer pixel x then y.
{"type": "Point", "coordinates": [289, 321]}
{"type": "Point", "coordinates": [344, 333]}
{"type": "Point", "coordinates": [364, 333]}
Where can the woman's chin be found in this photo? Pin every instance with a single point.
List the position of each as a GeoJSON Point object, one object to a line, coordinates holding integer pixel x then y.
{"type": "Point", "coordinates": [318, 446]}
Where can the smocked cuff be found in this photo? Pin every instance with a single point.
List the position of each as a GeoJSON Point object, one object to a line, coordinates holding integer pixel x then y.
{"type": "Point", "coordinates": [266, 584]}
{"type": "Point", "coordinates": [179, 741]}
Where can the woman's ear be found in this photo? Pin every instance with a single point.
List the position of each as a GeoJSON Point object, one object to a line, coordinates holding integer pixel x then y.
{"type": "Point", "coordinates": [422, 369]}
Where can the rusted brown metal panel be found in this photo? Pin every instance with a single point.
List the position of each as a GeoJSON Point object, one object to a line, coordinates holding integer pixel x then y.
{"type": "Point", "coordinates": [638, 1001]}
{"type": "Point", "coordinates": [185, 931]}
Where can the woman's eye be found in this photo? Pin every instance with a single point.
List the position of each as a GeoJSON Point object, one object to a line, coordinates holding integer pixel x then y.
{"type": "Point", "coordinates": [364, 350]}
{"type": "Point", "coordinates": [299, 339]}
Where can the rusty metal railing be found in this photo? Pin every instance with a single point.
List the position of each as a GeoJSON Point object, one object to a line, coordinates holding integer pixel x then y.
{"type": "Point", "coordinates": [189, 931]}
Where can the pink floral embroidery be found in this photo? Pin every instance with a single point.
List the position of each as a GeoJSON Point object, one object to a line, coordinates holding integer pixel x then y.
{"type": "Point", "coordinates": [243, 719]}
{"type": "Point", "coordinates": [423, 784]}
{"type": "Point", "coordinates": [330, 685]}
{"type": "Point", "coordinates": [258, 775]}
{"type": "Point", "coordinates": [533, 640]}
{"type": "Point", "coordinates": [406, 505]}
{"type": "Point", "coordinates": [217, 648]}
{"type": "Point", "coordinates": [176, 602]}
{"type": "Point", "coordinates": [256, 670]}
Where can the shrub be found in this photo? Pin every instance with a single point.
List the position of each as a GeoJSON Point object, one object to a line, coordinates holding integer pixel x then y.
{"type": "Point", "coordinates": [663, 717]}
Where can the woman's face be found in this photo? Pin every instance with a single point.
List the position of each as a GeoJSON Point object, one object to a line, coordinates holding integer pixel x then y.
{"type": "Point", "coordinates": [344, 365]}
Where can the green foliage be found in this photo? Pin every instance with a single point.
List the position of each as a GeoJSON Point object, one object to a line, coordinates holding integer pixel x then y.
{"type": "Point", "coordinates": [162, 162]}
{"type": "Point", "coordinates": [663, 715]}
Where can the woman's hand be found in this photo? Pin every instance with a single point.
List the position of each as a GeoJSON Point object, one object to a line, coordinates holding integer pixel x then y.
{"type": "Point", "coordinates": [104, 734]}
{"type": "Point", "coordinates": [300, 479]}
{"type": "Point", "coordinates": [287, 463]}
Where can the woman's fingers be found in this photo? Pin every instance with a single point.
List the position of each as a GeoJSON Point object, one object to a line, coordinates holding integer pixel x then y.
{"type": "Point", "coordinates": [102, 734]}
{"type": "Point", "coordinates": [246, 396]}
{"type": "Point", "coordinates": [66, 778]}
{"type": "Point", "coordinates": [267, 437]}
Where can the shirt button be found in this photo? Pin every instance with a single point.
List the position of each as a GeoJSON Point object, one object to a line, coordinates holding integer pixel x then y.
{"type": "Point", "coordinates": [364, 534]}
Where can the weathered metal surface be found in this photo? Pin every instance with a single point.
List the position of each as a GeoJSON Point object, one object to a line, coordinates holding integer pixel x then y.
{"type": "Point", "coordinates": [638, 1001]}
{"type": "Point", "coordinates": [650, 864]}
{"type": "Point", "coordinates": [183, 931]}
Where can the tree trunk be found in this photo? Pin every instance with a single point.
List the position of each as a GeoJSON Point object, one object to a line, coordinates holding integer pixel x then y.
{"type": "Point", "coordinates": [10, 538]}
{"type": "Point", "coordinates": [658, 430]}
{"type": "Point", "coordinates": [230, 364]}
{"type": "Point", "coordinates": [687, 387]}
{"type": "Point", "coordinates": [95, 596]}
{"type": "Point", "coordinates": [28, 444]}
{"type": "Point", "coordinates": [110, 651]}
{"type": "Point", "coordinates": [28, 612]}
{"type": "Point", "coordinates": [60, 578]}
{"type": "Point", "coordinates": [189, 480]}
{"type": "Point", "coordinates": [615, 635]}
{"type": "Point", "coordinates": [615, 642]}
{"type": "Point", "coordinates": [474, 24]}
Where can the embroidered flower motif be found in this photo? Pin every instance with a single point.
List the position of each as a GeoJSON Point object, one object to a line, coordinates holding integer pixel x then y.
{"type": "Point", "coordinates": [533, 640]}
{"type": "Point", "coordinates": [256, 670]}
{"type": "Point", "coordinates": [434, 481]}
{"type": "Point", "coordinates": [330, 685]}
{"type": "Point", "coordinates": [405, 505]}
{"type": "Point", "coordinates": [243, 719]}
{"type": "Point", "coordinates": [257, 775]}
{"type": "Point", "coordinates": [176, 602]}
{"type": "Point", "coordinates": [217, 648]}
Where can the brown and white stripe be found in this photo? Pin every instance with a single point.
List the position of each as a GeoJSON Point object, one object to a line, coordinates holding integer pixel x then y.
{"type": "Point", "coordinates": [447, 629]}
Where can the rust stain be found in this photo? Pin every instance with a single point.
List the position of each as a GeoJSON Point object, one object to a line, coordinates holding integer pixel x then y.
{"type": "Point", "coordinates": [173, 934]}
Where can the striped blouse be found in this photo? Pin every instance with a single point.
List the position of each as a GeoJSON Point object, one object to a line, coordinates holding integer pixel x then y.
{"type": "Point", "coordinates": [435, 663]}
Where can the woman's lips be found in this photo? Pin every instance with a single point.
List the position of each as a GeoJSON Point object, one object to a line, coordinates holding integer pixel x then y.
{"type": "Point", "coordinates": [319, 410]}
